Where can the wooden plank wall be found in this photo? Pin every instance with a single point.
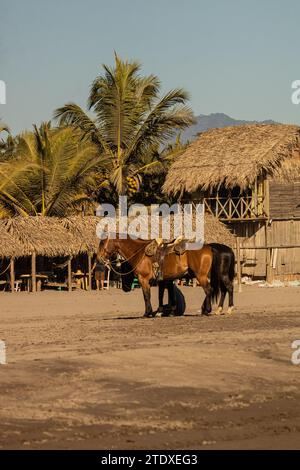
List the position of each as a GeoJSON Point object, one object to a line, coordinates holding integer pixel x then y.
{"type": "Point", "coordinates": [252, 234]}
{"type": "Point", "coordinates": [284, 200]}
{"type": "Point", "coordinates": [279, 232]}
{"type": "Point", "coordinates": [286, 232]}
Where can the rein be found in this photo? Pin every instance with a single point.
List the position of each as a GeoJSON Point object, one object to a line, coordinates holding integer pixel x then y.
{"type": "Point", "coordinates": [122, 262]}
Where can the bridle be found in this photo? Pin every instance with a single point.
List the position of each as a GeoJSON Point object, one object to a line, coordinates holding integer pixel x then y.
{"type": "Point", "coordinates": [108, 263]}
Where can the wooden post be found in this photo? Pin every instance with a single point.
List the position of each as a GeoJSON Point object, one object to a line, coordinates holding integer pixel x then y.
{"type": "Point", "coordinates": [12, 275]}
{"type": "Point", "coordinates": [70, 274]}
{"type": "Point", "coordinates": [269, 269]}
{"type": "Point", "coordinates": [255, 198]}
{"type": "Point", "coordinates": [238, 264]}
{"type": "Point", "coordinates": [33, 271]}
{"type": "Point", "coordinates": [267, 198]}
{"type": "Point", "coordinates": [90, 271]}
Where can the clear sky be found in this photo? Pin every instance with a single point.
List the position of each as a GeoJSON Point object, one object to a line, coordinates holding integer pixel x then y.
{"type": "Point", "coordinates": [233, 56]}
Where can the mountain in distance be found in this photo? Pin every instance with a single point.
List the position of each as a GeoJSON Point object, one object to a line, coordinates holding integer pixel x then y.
{"type": "Point", "coordinates": [215, 120]}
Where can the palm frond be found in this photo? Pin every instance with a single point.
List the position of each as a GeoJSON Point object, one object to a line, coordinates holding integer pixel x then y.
{"type": "Point", "coordinates": [4, 128]}
{"type": "Point", "coordinates": [131, 120]}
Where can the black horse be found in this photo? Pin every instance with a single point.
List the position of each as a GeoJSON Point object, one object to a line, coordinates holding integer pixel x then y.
{"type": "Point", "coordinates": [221, 279]}
{"type": "Point", "coordinates": [222, 275]}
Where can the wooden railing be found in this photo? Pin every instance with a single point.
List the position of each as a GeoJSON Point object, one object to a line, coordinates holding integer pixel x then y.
{"type": "Point", "coordinates": [236, 208]}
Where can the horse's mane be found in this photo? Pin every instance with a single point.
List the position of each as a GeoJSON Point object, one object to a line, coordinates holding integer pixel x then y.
{"type": "Point", "coordinates": [139, 241]}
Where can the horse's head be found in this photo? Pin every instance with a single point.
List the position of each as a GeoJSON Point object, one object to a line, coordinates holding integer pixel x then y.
{"type": "Point", "coordinates": [106, 249]}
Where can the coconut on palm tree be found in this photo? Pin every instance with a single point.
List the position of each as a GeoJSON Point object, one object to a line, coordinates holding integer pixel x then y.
{"type": "Point", "coordinates": [131, 121]}
{"type": "Point", "coordinates": [52, 172]}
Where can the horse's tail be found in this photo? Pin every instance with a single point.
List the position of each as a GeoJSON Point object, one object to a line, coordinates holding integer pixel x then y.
{"type": "Point", "coordinates": [215, 281]}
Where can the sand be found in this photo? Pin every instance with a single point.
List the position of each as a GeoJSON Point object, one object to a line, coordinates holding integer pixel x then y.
{"type": "Point", "coordinates": [84, 370]}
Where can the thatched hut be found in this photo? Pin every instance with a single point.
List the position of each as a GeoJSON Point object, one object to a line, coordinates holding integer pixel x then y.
{"type": "Point", "coordinates": [68, 238]}
{"type": "Point", "coordinates": [248, 177]}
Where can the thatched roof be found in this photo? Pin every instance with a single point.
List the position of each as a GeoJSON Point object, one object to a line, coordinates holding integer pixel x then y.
{"type": "Point", "coordinates": [216, 232]}
{"type": "Point", "coordinates": [234, 156]}
{"type": "Point", "coordinates": [51, 236]}
{"type": "Point", "coordinates": [10, 246]}
{"type": "Point", "coordinates": [46, 236]}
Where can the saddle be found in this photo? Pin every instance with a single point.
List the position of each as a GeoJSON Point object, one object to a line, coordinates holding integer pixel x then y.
{"type": "Point", "coordinates": [158, 249]}
{"type": "Point", "coordinates": [159, 246]}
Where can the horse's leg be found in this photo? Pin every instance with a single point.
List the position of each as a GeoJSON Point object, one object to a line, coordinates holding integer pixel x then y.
{"type": "Point", "coordinates": [205, 284]}
{"type": "Point", "coordinates": [148, 306]}
{"type": "Point", "coordinates": [221, 301]}
{"type": "Point", "coordinates": [200, 265]}
{"type": "Point", "coordinates": [203, 306]}
{"type": "Point", "coordinates": [229, 288]}
{"type": "Point", "coordinates": [172, 299]}
{"type": "Point", "coordinates": [162, 285]}
{"type": "Point", "coordinates": [208, 307]}
{"type": "Point", "coordinates": [147, 296]}
{"type": "Point", "coordinates": [161, 291]}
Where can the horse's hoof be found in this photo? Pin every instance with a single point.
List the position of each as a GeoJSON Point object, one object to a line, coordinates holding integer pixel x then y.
{"type": "Point", "coordinates": [159, 314]}
{"type": "Point", "coordinates": [230, 310]}
{"type": "Point", "coordinates": [148, 315]}
{"type": "Point", "coordinates": [218, 311]}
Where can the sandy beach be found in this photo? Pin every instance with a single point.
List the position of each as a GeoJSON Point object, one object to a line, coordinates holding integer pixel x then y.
{"type": "Point", "coordinates": [84, 370]}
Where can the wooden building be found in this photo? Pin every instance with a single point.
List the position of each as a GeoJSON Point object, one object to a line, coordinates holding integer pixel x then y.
{"type": "Point", "coordinates": [249, 178]}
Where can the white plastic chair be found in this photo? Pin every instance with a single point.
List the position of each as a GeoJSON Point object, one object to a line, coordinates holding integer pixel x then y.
{"type": "Point", "coordinates": [106, 281]}
{"type": "Point", "coordinates": [18, 286]}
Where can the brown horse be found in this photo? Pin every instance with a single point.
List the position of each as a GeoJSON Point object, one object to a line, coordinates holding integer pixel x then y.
{"type": "Point", "coordinates": [196, 263]}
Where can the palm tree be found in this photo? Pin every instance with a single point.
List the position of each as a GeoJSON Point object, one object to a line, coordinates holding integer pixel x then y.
{"type": "Point", "coordinates": [3, 143]}
{"type": "Point", "coordinates": [8, 146]}
{"type": "Point", "coordinates": [53, 172]}
{"type": "Point", "coordinates": [154, 176]}
{"type": "Point", "coordinates": [131, 121]}
{"type": "Point", "coordinates": [4, 127]}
